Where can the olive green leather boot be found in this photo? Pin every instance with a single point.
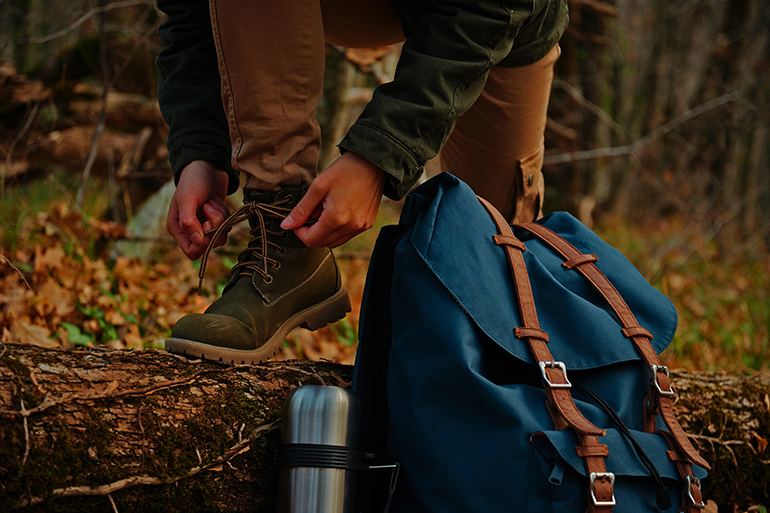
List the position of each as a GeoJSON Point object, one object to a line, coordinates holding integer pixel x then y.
{"type": "Point", "coordinates": [277, 285]}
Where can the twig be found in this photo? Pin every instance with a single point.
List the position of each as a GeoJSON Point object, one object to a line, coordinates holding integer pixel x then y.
{"type": "Point", "coordinates": [16, 139]}
{"type": "Point", "coordinates": [78, 22]}
{"type": "Point", "coordinates": [102, 115]}
{"type": "Point", "coordinates": [46, 404]}
{"type": "Point", "coordinates": [630, 149]}
{"type": "Point", "coordinates": [3, 259]}
{"type": "Point", "coordinates": [144, 440]}
{"type": "Point", "coordinates": [112, 503]}
{"type": "Point", "coordinates": [303, 371]}
{"type": "Point", "coordinates": [726, 444]}
{"type": "Point", "coordinates": [26, 436]}
{"type": "Point", "coordinates": [591, 106]}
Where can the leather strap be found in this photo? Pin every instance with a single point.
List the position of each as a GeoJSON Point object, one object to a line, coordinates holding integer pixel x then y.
{"type": "Point", "coordinates": [601, 493]}
{"type": "Point", "coordinates": [555, 379]}
{"type": "Point", "coordinates": [692, 498]}
{"type": "Point", "coordinates": [585, 451]}
{"type": "Point", "coordinates": [658, 402]}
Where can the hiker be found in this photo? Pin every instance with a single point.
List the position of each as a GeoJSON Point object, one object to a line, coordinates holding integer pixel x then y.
{"type": "Point", "coordinates": [239, 86]}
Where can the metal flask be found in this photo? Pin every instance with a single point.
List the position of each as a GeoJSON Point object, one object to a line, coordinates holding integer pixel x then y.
{"type": "Point", "coordinates": [320, 456]}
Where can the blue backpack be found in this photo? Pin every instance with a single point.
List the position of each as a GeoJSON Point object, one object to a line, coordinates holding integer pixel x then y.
{"type": "Point", "coordinates": [504, 372]}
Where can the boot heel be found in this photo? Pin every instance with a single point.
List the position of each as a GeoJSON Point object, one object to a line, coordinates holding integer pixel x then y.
{"type": "Point", "coordinates": [331, 310]}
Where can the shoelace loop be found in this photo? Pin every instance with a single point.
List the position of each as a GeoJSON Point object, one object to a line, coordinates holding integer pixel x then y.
{"type": "Point", "coordinates": [258, 245]}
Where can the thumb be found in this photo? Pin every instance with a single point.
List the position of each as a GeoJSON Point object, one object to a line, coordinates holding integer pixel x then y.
{"type": "Point", "coordinates": [309, 204]}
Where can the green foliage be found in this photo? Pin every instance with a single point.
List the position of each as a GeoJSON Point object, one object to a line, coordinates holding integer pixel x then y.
{"type": "Point", "coordinates": [345, 332]}
{"type": "Point", "coordinates": [76, 335]}
{"type": "Point", "coordinates": [722, 297]}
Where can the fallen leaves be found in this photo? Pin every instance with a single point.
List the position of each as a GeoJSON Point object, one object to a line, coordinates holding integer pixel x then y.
{"type": "Point", "coordinates": [56, 295]}
{"type": "Point", "coordinates": [57, 291]}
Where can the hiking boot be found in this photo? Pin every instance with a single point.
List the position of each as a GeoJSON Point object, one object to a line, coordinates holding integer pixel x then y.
{"type": "Point", "coordinates": [277, 285]}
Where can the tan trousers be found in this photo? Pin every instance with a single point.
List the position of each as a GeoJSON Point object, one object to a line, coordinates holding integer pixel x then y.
{"type": "Point", "coordinates": [271, 60]}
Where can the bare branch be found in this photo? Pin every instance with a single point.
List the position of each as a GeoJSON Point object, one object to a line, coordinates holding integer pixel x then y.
{"type": "Point", "coordinates": [79, 22]}
{"type": "Point", "coordinates": [630, 149]}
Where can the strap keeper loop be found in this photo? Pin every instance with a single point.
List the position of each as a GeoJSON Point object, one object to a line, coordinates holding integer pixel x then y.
{"type": "Point", "coordinates": [580, 260]}
{"type": "Point", "coordinates": [531, 333]}
{"type": "Point", "coordinates": [508, 240]}
{"type": "Point", "coordinates": [585, 451]}
{"type": "Point", "coordinates": [636, 331]}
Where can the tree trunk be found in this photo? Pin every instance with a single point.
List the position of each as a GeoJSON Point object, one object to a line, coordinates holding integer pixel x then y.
{"type": "Point", "coordinates": [146, 431]}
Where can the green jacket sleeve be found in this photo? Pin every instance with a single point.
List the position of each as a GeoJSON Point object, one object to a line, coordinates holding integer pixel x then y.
{"type": "Point", "coordinates": [189, 89]}
{"type": "Point", "coordinates": [442, 71]}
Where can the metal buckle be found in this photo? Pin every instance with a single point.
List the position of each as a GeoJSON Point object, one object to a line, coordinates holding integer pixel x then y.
{"type": "Point", "coordinates": [599, 475]}
{"type": "Point", "coordinates": [654, 369]}
{"type": "Point", "coordinates": [554, 365]}
{"type": "Point", "coordinates": [689, 481]}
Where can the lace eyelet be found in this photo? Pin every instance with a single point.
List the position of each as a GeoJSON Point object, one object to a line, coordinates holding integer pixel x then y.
{"type": "Point", "coordinates": [277, 265]}
{"type": "Point", "coordinates": [267, 279]}
{"type": "Point", "coordinates": [280, 249]}
{"type": "Point", "coordinates": [284, 235]}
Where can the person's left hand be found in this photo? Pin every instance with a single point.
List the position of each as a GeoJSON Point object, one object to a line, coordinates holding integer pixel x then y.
{"type": "Point", "coordinates": [344, 199]}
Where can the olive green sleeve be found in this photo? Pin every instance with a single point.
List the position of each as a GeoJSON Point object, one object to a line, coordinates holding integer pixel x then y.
{"type": "Point", "coordinates": [442, 71]}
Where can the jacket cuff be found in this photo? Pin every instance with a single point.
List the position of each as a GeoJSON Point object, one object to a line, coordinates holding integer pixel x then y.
{"type": "Point", "coordinates": [401, 165]}
{"type": "Point", "coordinates": [202, 146]}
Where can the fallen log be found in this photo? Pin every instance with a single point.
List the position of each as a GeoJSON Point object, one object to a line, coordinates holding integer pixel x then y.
{"type": "Point", "coordinates": [104, 430]}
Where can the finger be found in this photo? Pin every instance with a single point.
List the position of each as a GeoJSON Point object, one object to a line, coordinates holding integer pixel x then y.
{"type": "Point", "coordinates": [319, 236]}
{"type": "Point", "coordinates": [190, 224]}
{"type": "Point", "coordinates": [175, 230]}
{"type": "Point", "coordinates": [311, 202]}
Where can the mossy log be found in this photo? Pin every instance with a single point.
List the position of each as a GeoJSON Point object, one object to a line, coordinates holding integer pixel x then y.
{"type": "Point", "coordinates": [101, 430]}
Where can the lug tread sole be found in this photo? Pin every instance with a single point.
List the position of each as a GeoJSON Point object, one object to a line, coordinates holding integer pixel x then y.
{"type": "Point", "coordinates": [316, 317]}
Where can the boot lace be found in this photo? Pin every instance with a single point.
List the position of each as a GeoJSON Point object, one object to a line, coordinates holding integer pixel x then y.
{"type": "Point", "coordinates": [254, 258]}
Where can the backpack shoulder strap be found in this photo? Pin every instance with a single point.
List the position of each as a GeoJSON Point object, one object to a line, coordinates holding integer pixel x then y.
{"type": "Point", "coordinates": [661, 396]}
{"type": "Point", "coordinates": [561, 405]}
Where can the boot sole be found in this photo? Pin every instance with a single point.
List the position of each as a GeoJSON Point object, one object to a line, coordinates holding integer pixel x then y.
{"type": "Point", "coordinates": [313, 318]}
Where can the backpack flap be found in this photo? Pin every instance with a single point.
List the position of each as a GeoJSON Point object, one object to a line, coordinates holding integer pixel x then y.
{"type": "Point", "coordinates": [447, 220]}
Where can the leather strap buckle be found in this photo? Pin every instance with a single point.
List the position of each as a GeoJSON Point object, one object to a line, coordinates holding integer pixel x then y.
{"type": "Point", "coordinates": [554, 365]}
{"type": "Point", "coordinates": [654, 369]}
{"type": "Point", "coordinates": [691, 481]}
{"type": "Point", "coordinates": [602, 475]}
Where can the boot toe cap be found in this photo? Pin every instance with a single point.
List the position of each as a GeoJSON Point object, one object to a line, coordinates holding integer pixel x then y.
{"type": "Point", "coordinates": [215, 330]}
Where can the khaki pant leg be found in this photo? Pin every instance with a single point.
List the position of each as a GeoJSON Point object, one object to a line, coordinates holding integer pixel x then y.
{"type": "Point", "coordinates": [271, 60]}
{"type": "Point", "coordinates": [497, 146]}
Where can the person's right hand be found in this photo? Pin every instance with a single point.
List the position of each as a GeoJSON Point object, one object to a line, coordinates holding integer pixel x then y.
{"type": "Point", "coordinates": [198, 205]}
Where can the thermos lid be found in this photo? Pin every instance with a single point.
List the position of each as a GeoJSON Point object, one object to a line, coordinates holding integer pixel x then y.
{"type": "Point", "coordinates": [322, 415]}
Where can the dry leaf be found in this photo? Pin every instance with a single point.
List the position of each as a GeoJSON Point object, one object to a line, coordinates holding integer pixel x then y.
{"type": "Point", "coordinates": [24, 331]}
{"type": "Point", "coordinates": [48, 260]}
{"type": "Point", "coordinates": [55, 298]}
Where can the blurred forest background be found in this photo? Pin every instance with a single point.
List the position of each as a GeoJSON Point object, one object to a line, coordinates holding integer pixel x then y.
{"type": "Point", "coordinates": [658, 138]}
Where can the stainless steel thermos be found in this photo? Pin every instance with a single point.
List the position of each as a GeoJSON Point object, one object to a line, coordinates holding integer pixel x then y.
{"type": "Point", "coordinates": [320, 456]}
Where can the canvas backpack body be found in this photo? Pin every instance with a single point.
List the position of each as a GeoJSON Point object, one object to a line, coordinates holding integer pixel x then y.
{"type": "Point", "coordinates": [493, 398]}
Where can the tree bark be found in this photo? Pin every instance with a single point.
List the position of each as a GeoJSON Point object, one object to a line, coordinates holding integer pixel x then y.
{"type": "Point", "coordinates": [101, 430]}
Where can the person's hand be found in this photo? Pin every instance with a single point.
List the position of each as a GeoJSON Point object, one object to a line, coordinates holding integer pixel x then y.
{"type": "Point", "coordinates": [340, 203]}
{"type": "Point", "coordinates": [198, 205]}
